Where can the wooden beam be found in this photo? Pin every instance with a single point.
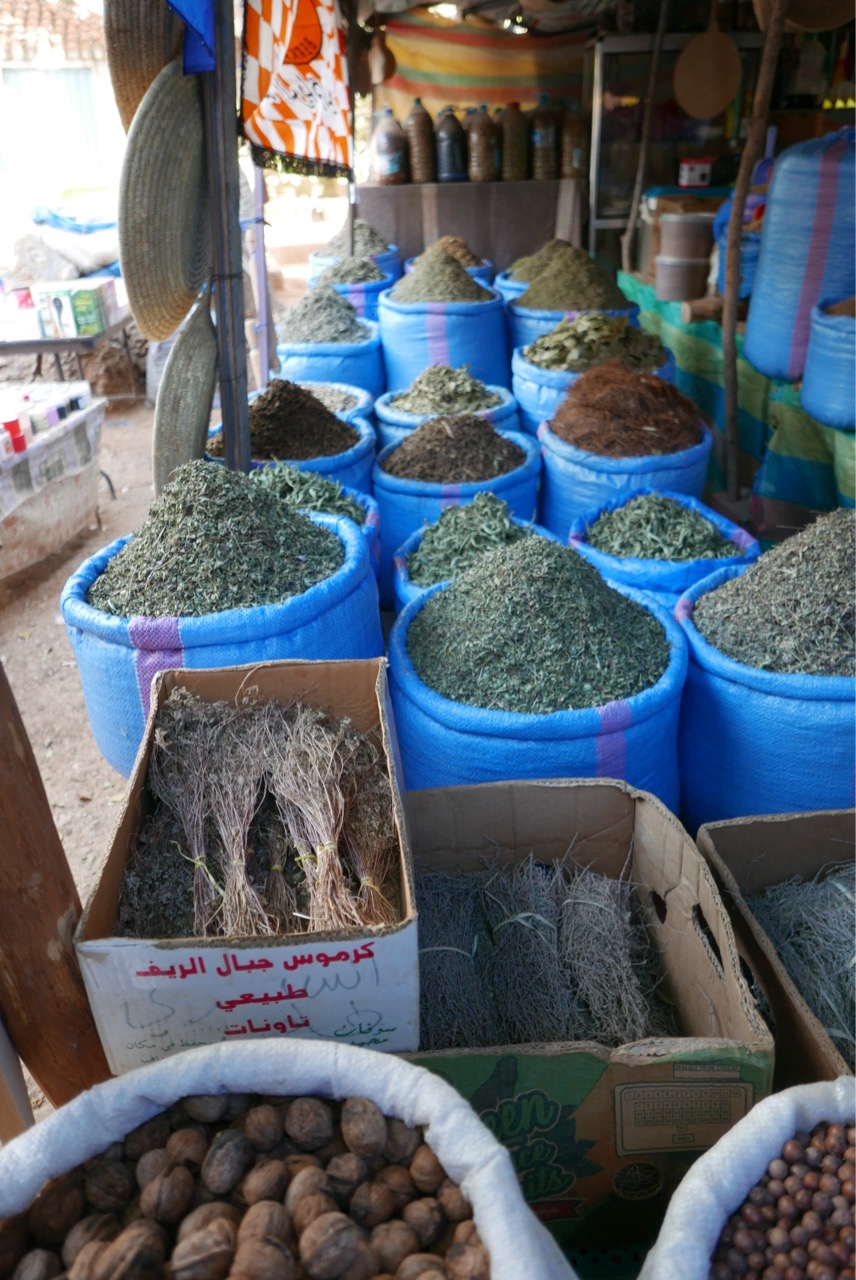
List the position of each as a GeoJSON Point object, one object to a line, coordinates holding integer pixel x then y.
{"type": "Point", "coordinates": [630, 230]}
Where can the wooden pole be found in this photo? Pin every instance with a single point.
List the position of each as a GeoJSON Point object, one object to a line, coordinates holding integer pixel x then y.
{"type": "Point", "coordinates": [751, 155]}
{"type": "Point", "coordinates": [42, 998]}
{"type": "Point", "coordinates": [353, 57]}
{"type": "Point", "coordinates": [647, 120]}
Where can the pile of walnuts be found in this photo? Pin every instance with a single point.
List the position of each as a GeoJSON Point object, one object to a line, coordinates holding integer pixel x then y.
{"type": "Point", "coordinates": [229, 1187]}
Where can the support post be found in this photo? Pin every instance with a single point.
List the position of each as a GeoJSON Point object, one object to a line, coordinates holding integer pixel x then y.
{"type": "Point", "coordinates": [630, 231]}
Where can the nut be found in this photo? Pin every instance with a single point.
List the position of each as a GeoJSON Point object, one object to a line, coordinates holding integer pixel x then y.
{"type": "Point", "coordinates": [267, 1181]}
{"type": "Point", "coordinates": [188, 1147]}
{"type": "Point", "coordinates": [468, 1262]}
{"type": "Point", "coordinates": [206, 1215]}
{"type": "Point", "coordinates": [426, 1170]}
{"type": "Point", "coordinates": [363, 1127]}
{"type": "Point", "coordinates": [310, 1207]}
{"type": "Point", "coordinates": [101, 1227]}
{"type": "Point", "coordinates": [146, 1137]}
{"type": "Point", "coordinates": [363, 1265]}
{"type": "Point", "coordinates": [466, 1233]}
{"type": "Point", "coordinates": [38, 1264]}
{"type": "Point", "coordinates": [401, 1141]}
{"type": "Point", "coordinates": [328, 1245]}
{"type": "Point", "coordinates": [137, 1254]}
{"type": "Point", "coordinates": [345, 1173]}
{"type": "Point", "coordinates": [150, 1165]}
{"type": "Point", "coordinates": [57, 1207]}
{"type": "Point", "coordinates": [264, 1258]}
{"type": "Point", "coordinates": [237, 1104]}
{"type": "Point", "coordinates": [206, 1107]}
{"type": "Point", "coordinates": [203, 1255]}
{"type": "Point", "coordinates": [13, 1242]}
{"type": "Point", "coordinates": [83, 1267]}
{"type": "Point", "coordinates": [394, 1241]}
{"type": "Point", "coordinates": [309, 1123]}
{"type": "Point", "coordinates": [167, 1197]}
{"type": "Point", "coordinates": [306, 1182]}
{"type": "Point", "coordinates": [419, 1265]}
{"type": "Point", "coordinates": [453, 1202]}
{"type": "Point", "coordinates": [229, 1156]}
{"type": "Point", "coordinates": [266, 1218]}
{"type": "Point", "coordinates": [263, 1128]}
{"type": "Point", "coordinates": [371, 1204]}
{"type": "Point", "coordinates": [400, 1183]}
{"type": "Point", "coordinates": [426, 1218]}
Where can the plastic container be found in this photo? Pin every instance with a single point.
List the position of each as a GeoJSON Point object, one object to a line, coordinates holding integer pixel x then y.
{"type": "Point", "coordinates": [680, 279]}
{"type": "Point", "coordinates": [419, 129]}
{"type": "Point", "coordinates": [393, 425]}
{"type": "Point", "coordinates": [482, 149]}
{"type": "Point", "coordinates": [515, 144]}
{"type": "Point", "coordinates": [574, 143]}
{"type": "Point", "coordinates": [357, 363]}
{"type": "Point", "coordinates": [388, 151]}
{"type": "Point", "coordinates": [686, 235]}
{"type": "Point", "coordinates": [539, 392]}
{"type": "Point", "coordinates": [362, 294]}
{"type": "Point", "coordinates": [451, 147]}
{"type": "Point", "coordinates": [544, 141]}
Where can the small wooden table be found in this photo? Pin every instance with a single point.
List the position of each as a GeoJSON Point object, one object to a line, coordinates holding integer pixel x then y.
{"type": "Point", "coordinates": [56, 346]}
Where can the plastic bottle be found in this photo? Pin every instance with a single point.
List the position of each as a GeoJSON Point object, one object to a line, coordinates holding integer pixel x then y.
{"type": "Point", "coordinates": [388, 151]}
{"type": "Point", "coordinates": [515, 144]}
{"type": "Point", "coordinates": [575, 142]}
{"type": "Point", "coordinates": [481, 148]}
{"type": "Point", "coordinates": [544, 141]}
{"type": "Point", "coordinates": [419, 129]}
{"type": "Point", "coordinates": [451, 148]}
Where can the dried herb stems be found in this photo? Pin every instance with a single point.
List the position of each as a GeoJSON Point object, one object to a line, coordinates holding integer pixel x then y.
{"type": "Point", "coordinates": [309, 491]}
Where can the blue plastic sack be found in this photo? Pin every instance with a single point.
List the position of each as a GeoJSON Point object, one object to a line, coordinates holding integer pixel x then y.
{"type": "Point", "coordinates": [388, 261]}
{"type": "Point", "coordinates": [806, 250]}
{"type": "Point", "coordinates": [664, 581]}
{"type": "Point", "coordinates": [445, 743]}
{"type": "Point", "coordinates": [357, 363]}
{"type": "Point", "coordinates": [508, 288]}
{"type": "Point", "coordinates": [574, 482]}
{"type": "Point", "coordinates": [406, 505]}
{"type": "Point", "coordinates": [525, 324]}
{"type": "Point", "coordinates": [755, 741]}
{"type": "Point", "coordinates": [362, 294]}
{"type": "Point", "coordinates": [484, 272]}
{"type": "Point", "coordinates": [539, 392]}
{"type": "Point", "coordinates": [364, 399]}
{"type": "Point", "coordinates": [827, 391]}
{"type": "Point", "coordinates": [393, 425]}
{"type": "Point", "coordinates": [117, 657]}
{"type": "Point", "coordinates": [750, 251]}
{"type": "Point", "coordinates": [415, 335]}
{"type": "Point", "coordinates": [352, 467]}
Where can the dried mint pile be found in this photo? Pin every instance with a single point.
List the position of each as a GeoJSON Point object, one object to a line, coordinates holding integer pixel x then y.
{"type": "Point", "coordinates": [455, 449]}
{"type": "Point", "coordinates": [793, 611]}
{"type": "Point", "coordinates": [573, 284]}
{"type": "Point", "coordinates": [367, 242]}
{"type": "Point", "coordinates": [458, 248]}
{"type": "Point", "coordinates": [215, 540]}
{"type": "Point", "coordinates": [621, 413]}
{"type": "Point", "coordinates": [337, 400]}
{"type": "Point", "coordinates": [594, 338]}
{"type": "Point", "coordinates": [289, 421]}
{"type": "Point", "coordinates": [532, 264]}
{"type": "Point", "coordinates": [438, 277]}
{"type": "Point", "coordinates": [309, 491]}
{"type": "Point", "coordinates": [534, 628]}
{"type": "Point", "coordinates": [323, 315]}
{"type": "Point", "coordinates": [352, 271]}
{"type": "Point", "coordinates": [460, 537]}
{"type": "Point", "coordinates": [651, 527]}
{"type": "Point", "coordinates": [439, 389]}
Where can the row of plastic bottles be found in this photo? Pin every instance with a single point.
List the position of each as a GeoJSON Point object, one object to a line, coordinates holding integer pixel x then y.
{"type": "Point", "coordinates": [510, 146]}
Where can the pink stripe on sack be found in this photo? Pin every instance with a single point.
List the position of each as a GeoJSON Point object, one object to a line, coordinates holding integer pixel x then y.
{"type": "Point", "coordinates": [611, 742]}
{"type": "Point", "coordinates": [158, 648]}
{"type": "Point", "coordinates": [357, 299]}
{"type": "Point", "coordinates": [435, 332]}
{"type": "Point", "coordinates": [812, 280]}
{"type": "Point", "coordinates": [450, 496]}
{"type": "Point", "coordinates": [683, 609]}
{"type": "Point", "coordinates": [742, 539]}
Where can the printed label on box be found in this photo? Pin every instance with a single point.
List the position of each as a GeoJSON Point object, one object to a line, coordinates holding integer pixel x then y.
{"type": "Point", "coordinates": [670, 1117]}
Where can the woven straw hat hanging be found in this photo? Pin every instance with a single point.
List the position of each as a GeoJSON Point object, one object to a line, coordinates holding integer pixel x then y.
{"type": "Point", "coordinates": [185, 395]}
{"type": "Point", "coordinates": [164, 223]}
{"type": "Point", "coordinates": [142, 36]}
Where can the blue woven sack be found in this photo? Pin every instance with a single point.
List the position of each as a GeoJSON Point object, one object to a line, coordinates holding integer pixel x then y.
{"type": "Point", "coordinates": [539, 392]}
{"type": "Point", "coordinates": [750, 251]}
{"type": "Point", "coordinates": [525, 324]}
{"type": "Point", "coordinates": [827, 391]}
{"type": "Point", "coordinates": [117, 657]}
{"type": "Point", "coordinates": [357, 363]}
{"type": "Point", "coordinates": [393, 425]}
{"type": "Point", "coordinates": [664, 581]}
{"type": "Point", "coordinates": [415, 335]}
{"type": "Point", "coordinates": [364, 399]}
{"type": "Point", "coordinates": [574, 482]}
{"type": "Point", "coordinates": [388, 261]}
{"type": "Point", "coordinates": [484, 272]}
{"type": "Point", "coordinates": [755, 741]}
{"type": "Point", "coordinates": [508, 288]}
{"type": "Point", "coordinates": [406, 505]}
{"type": "Point", "coordinates": [362, 294]}
{"type": "Point", "coordinates": [446, 744]}
{"type": "Point", "coordinates": [351, 467]}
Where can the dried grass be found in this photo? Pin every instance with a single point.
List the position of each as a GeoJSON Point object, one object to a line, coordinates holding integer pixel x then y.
{"type": "Point", "coordinates": [369, 832]}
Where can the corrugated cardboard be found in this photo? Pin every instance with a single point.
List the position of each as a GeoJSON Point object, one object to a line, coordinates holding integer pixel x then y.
{"type": "Point", "coordinates": [601, 1137]}
{"type": "Point", "coordinates": [154, 998]}
{"type": "Point", "coordinates": [747, 856]}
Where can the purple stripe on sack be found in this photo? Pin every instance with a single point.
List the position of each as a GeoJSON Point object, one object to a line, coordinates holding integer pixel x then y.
{"type": "Point", "coordinates": [611, 742]}
{"type": "Point", "coordinates": [450, 496]}
{"type": "Point", "coordinates": [357, 298]}
{"type": "Point", "coordinates": [742, 539]}
{"type": "Point", "coordinates": [158, 648]}
{"type": "Point", "coordinates": [824, 214]}
{"type": "Point", "coordinates": [435, 332]}
{"type": "Point", "coordinates": [683, 609]}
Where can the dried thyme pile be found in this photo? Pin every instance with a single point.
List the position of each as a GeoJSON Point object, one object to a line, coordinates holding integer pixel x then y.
{"type": "Point", "coordinates": [438, 277]}
{"type": "Point", "coordinates": [289, 421]}
{"type": "Point", "coordinates": [534, 628]}
{"type": "Point", "coordinates": [651, 527]}
{"type": "Point", "coordinates": [592, 339]}
{"type": "Point", "coordinates": [530, 266]}
{"type": "Point", "coordinates": [215, 540]}
{"type": "Point", "coordinates": [367, 242]}
{"type": "Point", "coordinates": [460, 537]}
{"type": "Point", "coordinates": [335, 399]}
{"type": "Point", "coordinates": [322, 316]}
{"type": "Point", "coordinates": [352, 271]}
{"type": "Point", "coordinates": [453, 450]}
{"type": "Point", "coordinates": [793, 611]}
{"type": "Point", "coordinates": [458, 248]}
{"type": "Point", "coordinates": [572, 284]}
{"type": "Point", "coordinates": [309, 491]}
{"type": "Point", "coordinates": [439, 389]}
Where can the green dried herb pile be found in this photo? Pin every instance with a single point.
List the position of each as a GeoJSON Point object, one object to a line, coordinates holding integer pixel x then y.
{"type": "Point", "coordinates": [438, 277]}
{"type": "Point", "coordinates": [592, 339]}
{"type": "Point", "coordinates": [289, 421]}
{"type": "Point", "coordinates": [323, 315]}
{"type": "Point", "coordinates": [460, 537]}
{"type": "Point", "coordinates": [573, 284]}
{"type": "Point", "coordinates": [352, 271]}
{"type": "Point", "coordinates": [336, 400]}
{"type": "Point", "coordinates": [652, 527]}
{"type": "Point", "coordinates": [621, 413]}
{"type": "Point", "coordinates": [534, 628]}
{"type": "Point", "coordinates": [793, 610]}
{"type": "Point", "coordinates": [367, 242]}
{"type": "Point", "coordinates": [457, 248]}
{"type": "Point", "coordinates": [439, 389]}
{"type": "Point", "coordinates": [532, 264]}
{"type": "Point", "coordinates": [309, 491]}
{"type": "Point", "coordinates": [454, 449]}
{"type": "Point", "coordinates": [215, 540]}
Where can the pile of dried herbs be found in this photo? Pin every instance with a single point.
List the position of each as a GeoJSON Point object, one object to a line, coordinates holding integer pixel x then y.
{"type": "Point", "coordinates": [460, 537]}
{"type": "Point", "coordinates": [439, 389]}
{"type": "Point", "coordinates": [573, 284]}
{"type": "Point", "coordinates": [594, 338]}
{"type": "Point", "coordinates": [652, 527]}
{"type": "Point", "coordinates": [309, 491]}
{"type": "Point", "coordinates": [335, 399]}
{"type": "Point", "coordinates": [289, 421]}
{"type": "Point", "coordinates": [455, 449]}
{"type": "Point", "coordinates": [532, 264]}
{"type": "Point", "coordinates": [215, 540]}
{"type": "Point", "coordinates": [621, 413]}
{"type": "Point", "coordinates": [367, 242]}
{"type": "Point", "coordinates": [438, 277]}
{"type": "Point", "coordinates": [793, 611]}
{"type": "Point", "coordinates": [323, 315]}
{"type": "Point", "coordinates": [458, 248]}
{"type": "Point", "coordinates": [268, 819]}
{"type": "Point", "coordinates": [352, 271]}
{"type": "Point", "coordinates": [534, 628]}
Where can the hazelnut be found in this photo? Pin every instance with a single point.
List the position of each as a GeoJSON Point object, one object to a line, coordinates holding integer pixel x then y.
{"type": "Point", "coordinates": [306, 1182]}
{"type": "Point", "coordinates": [38, 1264]}
{"type": "Point", "coordinates": [371, 1204]}
{"type": "Point", "coordinates": [426, 1170]}
{"type": "Point", "coordinates": [263, 1258]}
{"type": "Point", "coordinates": [419, 1265]}
{"type": "Point", "coordinates": [468, 1262]}
{"type": "Point", "coordinates": [188, 1147]}
{"type": "Point", "coordinates": [453, 1202]}
{"type": "Point", "coordinates": [146, 1137]}
{"type": "Point", "coordinates": [58, 1206]}
{"type": "Point", "coordinates": [328, 1245]}
{"type": "Point", "coordinates": [311, 1207]}
{"type": "Point", "coordinates": [102, 1227]}
{"type": "Point", "coordinates": [401, 1141]}
{"type": "Point", "coordinates": [394, 1241]}
{"type": "Point", "coordinates": [266, 1218]}
{"type": "Point", "coordinates": [267, 1181]}
{"type": "Point", "coordinates": [168, 1196]}
{"type": "Point", "coordinates": [228, 1158]}
{"type": "Point", "coordinates": [426, 1218]}
{"type": "Point", "coordinates": [263, 1127]}
{"type": "Point", "coordinates": [206, 1107]}
{"type": "Point", "coordinates": [363, 1127]}
{"type": "Point", "coordinates": [309, 1123]}
{"type": "Point", "coordinates": [400, 1183]}
{"type": "Point", "coordinates": [137, 1254]}
{"type": "Point", "coordinates": [202, 1255]}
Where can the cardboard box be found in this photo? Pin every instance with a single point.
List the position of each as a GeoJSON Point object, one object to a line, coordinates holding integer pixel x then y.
{"type": "Point", "coordinates": [747, 856]}
{"type": "Point", "coordinates": [154, 998]}
{"type": "Point", "coordinates": [601, 1137]}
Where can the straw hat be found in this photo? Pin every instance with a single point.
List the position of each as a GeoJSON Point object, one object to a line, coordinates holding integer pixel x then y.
{"type": "Point", "coordinates": [164, 225]}
{"type": "Point", "coordinates": [185, 395]}
{"type": "Point", "coordinates": [142, 36]}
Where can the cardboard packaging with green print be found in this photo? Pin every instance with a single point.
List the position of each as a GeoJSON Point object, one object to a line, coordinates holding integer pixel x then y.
{"type": "Point", "coordinates": [601, 1137]}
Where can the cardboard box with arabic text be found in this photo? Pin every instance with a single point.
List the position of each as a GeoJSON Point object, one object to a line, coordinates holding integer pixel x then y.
{"type": "Point", "coordinates": [152, 998]}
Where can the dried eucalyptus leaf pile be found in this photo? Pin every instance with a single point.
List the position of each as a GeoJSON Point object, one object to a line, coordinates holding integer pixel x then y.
{"type": "Point", "coordinates": [352, 271]}
{"type": "Point", "coordinates": [534, 628]}
{"type": "Point", "coordinates": [270, 819]}
{"type": "Point", "coordinates": [337, 400]}
{"type": "Point", "coordinates": [215, 540]}
{"type": "Point", "coordinates": [592, 339]}
{"type": "Point", "coordinates": [438, 277]}
{"type": "Point", "coordinates": [793, 611]}
{"type": "Point", "coordinates": [455, 449]}
{"type": "Point", "coordinates": [322, 316]}
{"type": "Point", "coordinates": [309, 491]}
{"type": "Point", "coordinates": [458, 248]}
{"type": "Point", "coordinates": [439, 389]}
{"type": "Point", "coordinates": [460, 537]}
{"type": "Point", "coordinates": [289, 421]}
{"type": "Point", "coordinates": [534, 954]}
{"type": "Point", "coordinates": [652, 527]}
{"type": "Point", "coordinates": [367, 241]}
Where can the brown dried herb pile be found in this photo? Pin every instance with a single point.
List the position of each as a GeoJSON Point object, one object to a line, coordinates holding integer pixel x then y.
{"type": "Point", "coordinates": [622, 413]}
{"type": "Point", "coordinates": [288, 421]}
{"type": "Point", "coordinates": [454, 449]}
{"type": "Point", "coordinates": [367, 241]}
{"type": "Point", "coordinates": [573, 284]}
{"type": "Point", "coordinates": [458, 248]}
{"type": "Point", "coordinates": [352, 271]}
{"type": "Point", "coordinates": [594, 338]}
{"type": "Point", "coordinates": [323, 315]}
{"type": "Point", "coordinates": [439, 389]}
{"type": "Point", "coordinates": [438, 277]}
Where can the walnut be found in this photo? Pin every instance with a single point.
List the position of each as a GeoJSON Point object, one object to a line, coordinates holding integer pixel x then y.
{"type": "Point", "coordinates": [310, 1207]}
{"type": "Point", "coordinates": [328, 1245]}
{"type": "Point", "coordinates": [267, 1181]}
{"type": "Point", "coordinates": [202, 1255]}
{"type": "Point", "coordinates": [102, 1227]}
{"type": "Point", "coordinates": [421, 1265]}
{"type": "Point", "coordinates": [86, 1260]}
{"type": "Point", "coordinates": [400, 1183]}
{"type": "Point", "coordinates": [363, 1127]}
{"type": "Point", "coordinates": [229, 1156]}
{"type": "Point", "coordinates": [426, 1170]}
{"type": "Point", "coordinates": [394, 1241]}
{"type": "Point", "coordinates": [146, 1137]}
{"type": "Point", "coordinates": [345, 1173]}
{"type": "Point", "coordinates": [137, 1254]}
{"type": "Point", "coordinates": [309, 1123]}
{"type": "Point", "coordinates": [266, 1218]}
{"type": "Point", "coordinates": [303, 1160]}
{"type": "Point", "coordinates": [188, 1147]}
{"type": "Point", "coordinates": [263, 1258]}
{"type": "Point", "coordinates": [38, 1264]}
{"type": "Point", "coordinates": [401, 1141]}
{"type": "Point", "coordinates": [306, 1182]}
{"type": "Point", "coordinates": [263, 1127]}
{"type": "Point", "coordinates": [371, 1204]}
{"type": "Point", "coordinates": [335, 1147]}
{"type": "Point", "coordinates": [13, 1242]}
{"type": "Point", "coordinates": [426, 1218]}
{"type": "Point", "coordinates": [363, 1265]}
{"type": "Point", "coordinates": [150, 1164]}
{"type": "Point", "coordinates": [453, 1202]}
{"type": "Point", "coordinates": [168, 1196]}
{"type": "Point", "coordinates": [206, 1215]}
{"type": "Point", "coordinates": [466, 1233]}
{"type": "Point", "coordinates": [58, 1206]}
{"type": "Point", "coordinates": [206, 1107]}
{"type": "Point", "coordinates": [468, 1262]}
{"type": "Point", "coordinates": [237, 1104]}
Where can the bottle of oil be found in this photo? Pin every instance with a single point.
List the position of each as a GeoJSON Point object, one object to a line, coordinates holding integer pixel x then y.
{"type": "Point", "coordinates": [451, 148]}
{"type": "Point", "coordinates": [544, 140]}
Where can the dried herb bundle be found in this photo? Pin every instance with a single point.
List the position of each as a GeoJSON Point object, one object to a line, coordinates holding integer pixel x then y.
{"type": "Point", "coordinates": [454, 449]}
{"type": "Point", "coordinates": [534, 628]}
{"type": "Point", "coordinates": [369, 830]}
{"type": "Point", "coordinates": [594, 338]}
{"type": "Point", "coordinates": [352, 271]}
{"type": "Point", "coordinates": [367, 241]}
{"type": "Point", "coordinates": [156, 898]}
{"type": "Point", "coordinates": [573, 284]}
{"type": "Point", "coordinates": [289, 421]}
{"type": "Point", "coordinates": [439, 389]}
{"type": "Point", "coordinates": [620, 413]}
{"type": "Point", "coordinates": [235, 783]}
{"type": "Point", "coordinates": [532, 264]}
{"type": "Point", "coordinates": [215, 540]}
{"type": "Point", "coordinates": [438, 277]}
{"type": "Point", "coordinates": [460, 537]}
{"type": "Point", "coordinates": [309, 491]}
{"type": "Point", "coordinates": [793, 610]}
{"type": "Point", "coordinates": [651, 527]}
{"type": "Point", "coordinates": [323, 315]}
{"type": "Point", "coordinates": [457, 248]}
{"type": "Point", "coordinates": [335, 399]}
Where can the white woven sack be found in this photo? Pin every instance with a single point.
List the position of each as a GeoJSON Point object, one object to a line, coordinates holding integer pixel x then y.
{"type": "Point", "coordinates": [720, 1180]}
{"type": "Point", "coordinates": [519, 1245]}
